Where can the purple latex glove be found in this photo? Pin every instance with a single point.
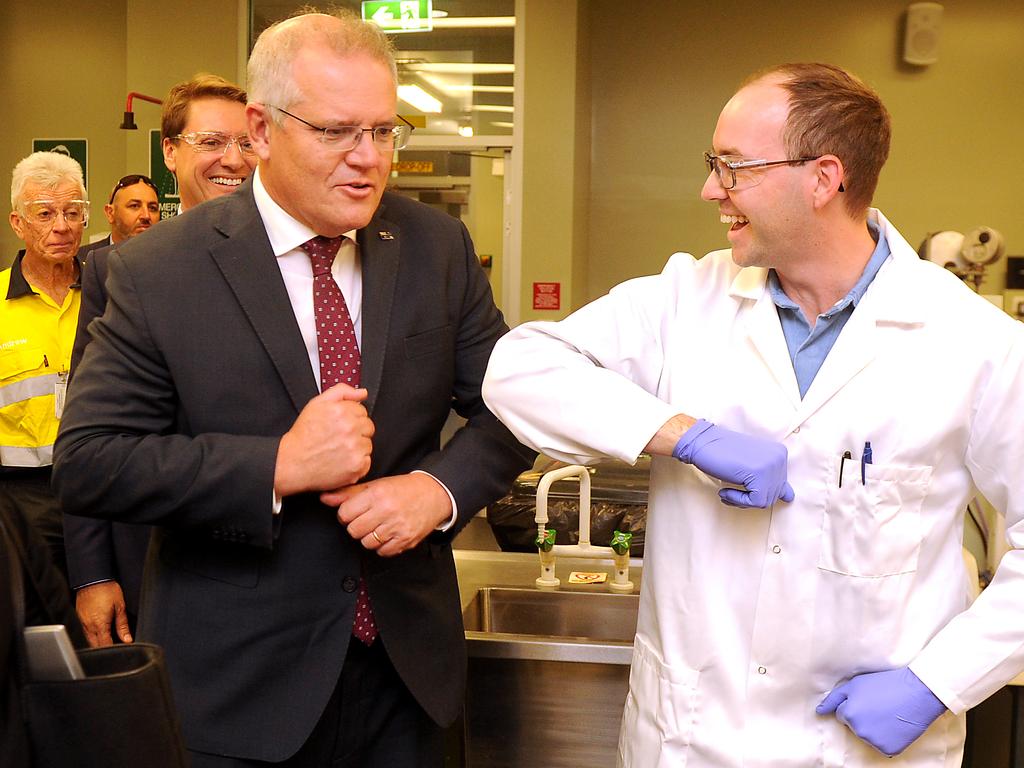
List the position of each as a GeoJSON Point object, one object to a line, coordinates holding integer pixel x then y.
{"type": "Point", "coordinates": [888, 710]}
{"type": "Point", "coordinates": [758, 465]}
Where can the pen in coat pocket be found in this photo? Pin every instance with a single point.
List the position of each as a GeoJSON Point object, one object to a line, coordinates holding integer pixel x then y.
{"type": "Point", "coordinates": [842, 464]}
{"type": "Point", "coordinates": [865, 459]}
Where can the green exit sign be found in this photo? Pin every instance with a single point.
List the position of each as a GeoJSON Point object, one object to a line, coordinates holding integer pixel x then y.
{"type": "Point", "coordinates": [399, 15]}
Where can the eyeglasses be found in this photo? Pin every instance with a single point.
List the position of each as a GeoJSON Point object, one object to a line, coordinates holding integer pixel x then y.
{"type": "Point", "coordinates": [130, 181]}
{"type": "Point", "coordinates": [215, 141]}
{"type": "Point", "coordinates": [44, 213]}
{"type": "Point", "coordinates": [345, 138]}
{"type": "Point", "coordinates": [733, 171]}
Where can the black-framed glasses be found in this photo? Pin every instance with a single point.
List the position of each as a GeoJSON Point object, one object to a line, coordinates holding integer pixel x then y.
{"type": "Point", "coordinates": [733, 171]}
{"type": "Point", "coordinates": [215, 141]}
{"type": "Point", "coordinates": [130, 181]}
{"type": "Point", "coordinates": [344, 138]}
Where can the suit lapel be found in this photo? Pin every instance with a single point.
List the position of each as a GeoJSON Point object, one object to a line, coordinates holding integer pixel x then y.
{"type": "Point", "coordinates": [379, 248]}
{"type": "Point", "coordinates": [247, 262]}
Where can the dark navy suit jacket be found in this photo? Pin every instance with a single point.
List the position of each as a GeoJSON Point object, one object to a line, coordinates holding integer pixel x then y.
{"type": "Point", "coordinates": [195, 370]}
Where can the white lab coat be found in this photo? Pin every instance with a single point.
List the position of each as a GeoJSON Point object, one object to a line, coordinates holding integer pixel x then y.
{"type": "Point", "coordinates": [749, 617]}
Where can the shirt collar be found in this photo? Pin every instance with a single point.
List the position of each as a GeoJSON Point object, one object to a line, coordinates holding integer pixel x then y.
{"type": "Point", "coordinates": [284, 231]}
{"type": "Point", "coordinates": [878, 257]}
{"type": "Point", "coordinates": [19, 286]}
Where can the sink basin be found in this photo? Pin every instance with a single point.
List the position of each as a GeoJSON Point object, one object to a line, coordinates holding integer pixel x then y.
{"type": "Point", "coordinates": [546, 668]}
{"type": "Point", "coordinates": [548, 671]}
{"type": "Point", "coordinates": [587, 616]}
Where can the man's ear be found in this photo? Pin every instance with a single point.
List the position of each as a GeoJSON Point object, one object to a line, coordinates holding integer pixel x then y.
{"type": "Point", "coordinates": [170, 151]}
{"type": "Point", "coordinates": [17, 225]}
{"type": "Point", "coordinates": [828, 179]}
{"type": "Point", "coordinates": [108, 211]}
{"type": "Point", "coordinates": [257, 117]}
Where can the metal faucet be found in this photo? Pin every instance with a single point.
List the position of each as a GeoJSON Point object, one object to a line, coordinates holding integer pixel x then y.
{"type": "Point", "coordinates": [619, 553]}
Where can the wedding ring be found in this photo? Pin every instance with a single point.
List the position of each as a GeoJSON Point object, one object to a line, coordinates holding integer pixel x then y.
{"type": "Point", "coordinates": [378, 538]}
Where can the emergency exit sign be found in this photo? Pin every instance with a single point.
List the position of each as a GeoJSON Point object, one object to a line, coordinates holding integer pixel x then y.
{"type": "Point", "coordinates": [399, 15]}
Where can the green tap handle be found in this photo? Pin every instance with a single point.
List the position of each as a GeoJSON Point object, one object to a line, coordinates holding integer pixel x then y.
{"type": "Point", "coordinates": [545, 542]}
{"type": "Point", "coordinates": [621, 541]}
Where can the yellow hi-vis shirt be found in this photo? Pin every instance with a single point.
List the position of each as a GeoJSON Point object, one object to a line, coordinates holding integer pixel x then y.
{"type": "Point", "coordinates": [36, 338]}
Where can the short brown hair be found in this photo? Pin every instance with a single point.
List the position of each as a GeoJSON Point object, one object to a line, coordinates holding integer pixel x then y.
{"type": "Point", "coordinates": [202, 86]}
{"type": "Point", "coordinates": [832, 112]}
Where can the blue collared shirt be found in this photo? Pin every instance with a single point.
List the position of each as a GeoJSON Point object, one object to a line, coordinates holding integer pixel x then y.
{"type": "Point", "coordinates": [808, 346]}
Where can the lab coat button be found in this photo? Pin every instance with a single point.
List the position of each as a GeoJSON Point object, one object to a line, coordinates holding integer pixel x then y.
{"type": "Point", "coordinates": [762, 671]}
{"type": "Point", "coordinates": [776, 549]}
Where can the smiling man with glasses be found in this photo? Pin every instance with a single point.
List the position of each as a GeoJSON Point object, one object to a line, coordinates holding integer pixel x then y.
{"type": "Point", "coordinates": [205, 140]}
{"type": "Point", "coordinates": [805, 598]}
{"type": "Point", "coordinates": [39, 304]}
{"type": "Point", "coordinates": [207, 148]}
{"type": "Point", "coordinates": [268, 387]}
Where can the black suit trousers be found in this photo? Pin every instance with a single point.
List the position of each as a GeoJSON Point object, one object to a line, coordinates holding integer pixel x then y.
{"type": "Point", "coordinates": [371, 721]}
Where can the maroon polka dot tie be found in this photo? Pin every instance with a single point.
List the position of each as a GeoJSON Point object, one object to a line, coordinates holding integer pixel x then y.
{"type": "Point", "coordinates": [339, 361]}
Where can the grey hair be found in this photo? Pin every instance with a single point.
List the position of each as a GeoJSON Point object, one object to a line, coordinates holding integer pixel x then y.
{"type": "Point", "coordinates": [47, 169]}
{"type": "Point", "coordinates": [342, 31]}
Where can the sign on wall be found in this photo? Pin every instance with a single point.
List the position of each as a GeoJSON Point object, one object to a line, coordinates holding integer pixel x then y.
{"type": "Point", "coordinates": [547, 295]}
{"type": "Point", "coordinates": [399, 15]}
{"type": "Point", "coordinates": [76, 149]}
{"type": "Point", "coordinates": [166, 184]}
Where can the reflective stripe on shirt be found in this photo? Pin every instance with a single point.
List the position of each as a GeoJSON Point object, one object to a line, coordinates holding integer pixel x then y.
{"type": "Point", "coordinates": [17, 456]}
{"type": "Point", "coordinates": [26, 389]}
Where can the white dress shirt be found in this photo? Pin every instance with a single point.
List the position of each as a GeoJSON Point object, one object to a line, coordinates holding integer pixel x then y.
{"type": "Point", "coordinates": [286, 235]}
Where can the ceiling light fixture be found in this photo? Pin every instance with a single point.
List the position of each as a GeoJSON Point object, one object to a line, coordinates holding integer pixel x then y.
{"type": "Point", "coordinates": [457, 68]}
{"type": "Point", "coordinates": [418, 98]}
{"type": "Point", "coordinates": [474, 22]}
{"type": "Point", "coordinates": [482, 88]}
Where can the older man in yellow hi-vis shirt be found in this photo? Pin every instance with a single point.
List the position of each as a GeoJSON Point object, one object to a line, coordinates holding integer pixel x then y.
{"type": "Point", "coordinates": [39, 302]}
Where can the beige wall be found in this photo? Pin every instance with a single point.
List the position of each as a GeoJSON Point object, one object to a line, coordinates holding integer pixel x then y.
{"type": "Point", "coordinates": [553, 124]}
{"type": "Point", "coordinates": [621, 99]}
{"type": "Point", "coordinates": [63, 76]}
{"type": "Point", "coordinates": [67, 67]}
{"type": "Point", "coordinates": [662, 71]}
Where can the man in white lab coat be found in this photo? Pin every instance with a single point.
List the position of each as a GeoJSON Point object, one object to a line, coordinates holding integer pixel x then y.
{"type": "Point", "coordinates": [844, 399]}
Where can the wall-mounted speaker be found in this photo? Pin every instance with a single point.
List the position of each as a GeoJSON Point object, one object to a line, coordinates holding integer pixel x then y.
{"type": "Point", "coordinates": [921, 37]}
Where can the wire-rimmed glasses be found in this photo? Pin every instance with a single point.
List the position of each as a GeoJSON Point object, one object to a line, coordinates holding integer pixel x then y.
{"type": "Point", "coordinates": [344, 138]}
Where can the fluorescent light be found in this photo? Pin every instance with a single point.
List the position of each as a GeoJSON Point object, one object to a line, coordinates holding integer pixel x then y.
{"type": "Point", "coordinates": [474, 22]}
{"type": "Point", "coordinates": [492, 108]}
{"type": "Point", "coordinates": [456, 68]}
{"type": "Point", "coordinates": [465, 131]}
{"type": "Point", "coordinates": [480, 88]}
{"type": "Point", "coordinates": [417, 97]}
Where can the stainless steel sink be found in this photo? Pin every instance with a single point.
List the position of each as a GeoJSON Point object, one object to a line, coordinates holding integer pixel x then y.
{"type": "Point", "coordinates": [578, 615]}
{"type": "Point", "coordinates": [548, 674]}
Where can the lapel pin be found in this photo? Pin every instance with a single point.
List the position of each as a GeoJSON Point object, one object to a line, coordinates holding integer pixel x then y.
{"type": "Point", "coordinates": [385, 235]}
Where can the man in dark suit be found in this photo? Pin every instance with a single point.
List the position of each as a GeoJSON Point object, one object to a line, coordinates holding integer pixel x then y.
{"type": "Point", "coordinates": [105, 558]}
{"type": "Point", "coordinates": [283, 512]}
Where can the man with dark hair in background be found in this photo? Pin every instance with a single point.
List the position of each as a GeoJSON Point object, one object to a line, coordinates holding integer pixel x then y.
{"type": "Point", "coordinates": [133, 208]}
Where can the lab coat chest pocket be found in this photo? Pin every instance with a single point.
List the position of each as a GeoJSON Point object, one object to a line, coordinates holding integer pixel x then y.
{"type": "Point", "coordinates": [874, 528]}
{"type": "Point", "coordinates": [658, 721]}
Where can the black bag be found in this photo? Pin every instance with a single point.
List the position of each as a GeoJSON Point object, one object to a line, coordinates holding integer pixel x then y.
{"type": "Point", "coordinates": [120, 715]}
